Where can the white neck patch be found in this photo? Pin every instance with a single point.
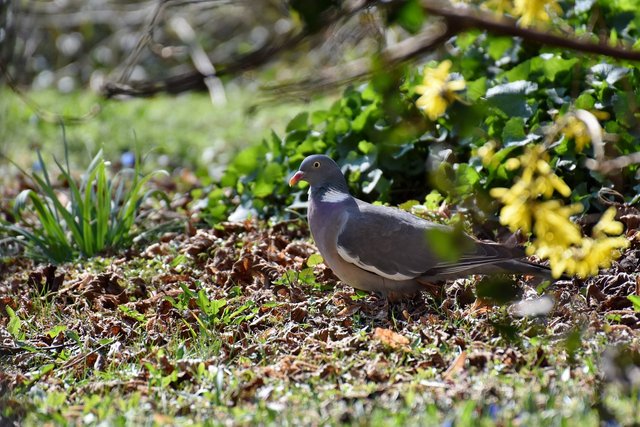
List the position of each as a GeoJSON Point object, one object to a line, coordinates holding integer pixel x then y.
{"type": "Point", "coordinates": [333, 196]}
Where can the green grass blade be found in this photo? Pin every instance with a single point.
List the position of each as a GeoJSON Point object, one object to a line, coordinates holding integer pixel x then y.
{"type": "Point", "coordinates": [52, 231]}
{"type": "Point", "coordinates": [77, 217]}
{"type": "Point", "coordinates": [45, 174]}
{"type": "Point", "coordinates": [102, 207]}
{"type": "Point", "coordinates": [58, 209]}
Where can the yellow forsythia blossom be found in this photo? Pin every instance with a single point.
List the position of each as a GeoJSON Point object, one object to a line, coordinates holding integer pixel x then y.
{"type": "Point", "coordinates": [532, 11]}
{"type": "Point", "coordinates": [575, 129]}
{"type": "Point", "coordinates": [437, 91]}
{"type": "Point", "coordinates": [500, 7]}
{"type": "Point", "coordinates": [528, 207]}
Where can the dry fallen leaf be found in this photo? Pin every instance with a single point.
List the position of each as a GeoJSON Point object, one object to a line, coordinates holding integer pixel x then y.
{"type": "Point", "coordinates": [391, 338]}
{"type": "Point", "coordinates": [456, 366]}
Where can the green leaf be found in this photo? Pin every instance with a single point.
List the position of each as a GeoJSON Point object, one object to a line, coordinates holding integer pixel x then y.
{"type": "Point", "coordinates": [312, 12]}
{"type": "Point", "coordinates": [498, 46]}
{"type": "Point", "coordinates": [511, 98]}
{"type": "Point", "coordinates": [361, 121]}
{"type": "Point", "coordinates": [268, 177]}
{"type": "Point", "coordinates": [248, 160]}
{"type": "Point", "coordinates": [131, 312]}
{"type": "Point", "coordinates": [513, 130]}
{"type": "Point", "coordinates": [366, 147]}
{"type": "Point", "coordinates": [476, 89]}
{"type": "Point", "coordinates": [56, 330]}
{"type": "Point", "coordinates": [406, 206]}
{"type": "Point", "coordinates": [217, 305]}
{"type": "Point", "coordinates": [520, 72]}
{"type": "Point", "coordinates": [314, 259]}
{"type": "Point", "coordinates": [552, 65]}
{"type": "Point", "coordinates": [15, 324]}
{"type": "Point", "coordinates": [573, 342]}
{"type": "Point", "coordinates": [447, 244]}
{"type": "Point", "coordinates": [299, 122]}
{"type": "Point", "coordinates": [466, 179]}
{"type": "Point", "coordinates": [410, 16]}
{"type": "Point", "coordinates": [635, 300]}
{"type": "Point", "coordinates": [433, 200]}
{"type": "Point", "coordinates": [306, 276]}
{"type": "Point", "coordinates": [585, 101]}
{"type": "Point", "coordinates": [499, 290]}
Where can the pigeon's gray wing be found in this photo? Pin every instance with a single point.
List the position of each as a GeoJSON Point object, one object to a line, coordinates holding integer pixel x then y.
{"type": "Point", "coordinates": [394, 244]}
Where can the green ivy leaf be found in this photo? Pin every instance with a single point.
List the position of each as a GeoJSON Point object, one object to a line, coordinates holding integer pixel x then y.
{"type": "Point", "coordinates": [299, 122]}
{"type": "Point", "coordinates": [466, 179]}
{"type": "Point", "coordinates": [406, 206]}
{"type": "Point", "coordinates": [270, 175]}
{"type": "Point", "coordinates": [511, 98]}
{"type": "Point", "coordinates": [410, 16]}
{"type": "Point", "coordinates": [476, 89]}
{"type": "Point", "coordinates": [513, 130]}
{"type": "Point", "coordinates": [433, 200]}
{"type": "Point", "coordinates": [498, 46]}
{"type": "Point", "coordinates": [552, 65]}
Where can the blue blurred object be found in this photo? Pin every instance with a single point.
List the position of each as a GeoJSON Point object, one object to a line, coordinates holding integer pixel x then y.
{"type": "Point", "coordinates": [494, 411]}
{"type": "Point", "coordinates": [36, 166]}
{"type": "Point", "coordinates": [128, 159]}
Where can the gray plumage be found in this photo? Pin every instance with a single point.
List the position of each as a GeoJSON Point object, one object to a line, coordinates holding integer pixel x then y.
{"type": "Point", "coordinates": [383, 249]}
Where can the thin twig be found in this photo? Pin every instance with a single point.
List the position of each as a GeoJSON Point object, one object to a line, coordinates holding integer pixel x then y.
{"type": "Point", "coordinates": [195, 79]}
{"type": "Point", "coordinates": [355, 70]}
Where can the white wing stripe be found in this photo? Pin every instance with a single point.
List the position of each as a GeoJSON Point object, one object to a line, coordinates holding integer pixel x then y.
{"type": "Point", "coordinates": [356, 260]}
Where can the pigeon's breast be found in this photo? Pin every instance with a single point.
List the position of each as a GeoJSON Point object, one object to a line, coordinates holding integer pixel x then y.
{"type": "Point", "coordinates": [325, 222]}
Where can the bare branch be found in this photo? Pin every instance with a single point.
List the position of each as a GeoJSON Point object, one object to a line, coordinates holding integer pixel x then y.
{"type": "Point", "coordinates": [462, 18]}
{"type": "Point", "coordinates": [355, 70]}
{"type": "Point", "coordinates": [456, 20]}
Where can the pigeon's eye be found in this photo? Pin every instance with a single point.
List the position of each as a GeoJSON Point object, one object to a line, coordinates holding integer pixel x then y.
{"type": "Point", "coordinates": [316, 164]}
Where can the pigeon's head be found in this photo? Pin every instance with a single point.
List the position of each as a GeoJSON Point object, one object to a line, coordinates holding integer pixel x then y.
{"type": "Point", "coordinates": [319, 171]}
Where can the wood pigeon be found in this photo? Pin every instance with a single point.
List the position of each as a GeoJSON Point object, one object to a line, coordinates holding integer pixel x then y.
{"type": "Point", "coordinates": [384, 249]}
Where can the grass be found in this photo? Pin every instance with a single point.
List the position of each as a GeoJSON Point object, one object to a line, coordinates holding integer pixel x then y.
{"type": "Point", "coordinates": [99, 216]}
{"type": "Point", "coordinates": [242, 324]}
{"type": "Point", "coordinates": [181, 131]}
{"type": "Point", "coordinates": [186, 336]}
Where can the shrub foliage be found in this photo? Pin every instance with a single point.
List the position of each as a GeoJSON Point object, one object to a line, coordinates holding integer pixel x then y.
{"type": "Point", "coordinates": [466, 123]}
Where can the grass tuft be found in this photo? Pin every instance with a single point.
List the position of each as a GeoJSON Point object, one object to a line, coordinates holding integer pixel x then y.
{"type": "Point", "coordinates": [95, 214]}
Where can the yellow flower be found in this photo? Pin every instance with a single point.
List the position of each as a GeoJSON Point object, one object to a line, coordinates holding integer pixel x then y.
{"type": "Point", "coordinates": [512, 164]}
{"type": "Point", "coordinates": [499, 6]}
{"type": "Point", "coordinates": [553, 225]}
{"type": "Point", "coordinates": [608, 224]}
{"type": "Point", "coordinates": [437, 91]}
{"type": "Point", "coordinates": [575, 129]}
{"type": "Point", "coordinates": [593, 254]}
{"type": "Point", "coordinates": [528, 207]}
{"type": "Point", "coordinates": [486, 153]}
{"type": "Point", "coordinates": [535, 10]}
{"type": "Point", "coordinates": [516, 216]}
{"type": "Point", "coordinates": [560, 240]}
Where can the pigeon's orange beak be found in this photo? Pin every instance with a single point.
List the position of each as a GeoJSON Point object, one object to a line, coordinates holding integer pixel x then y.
{"type": "Point", "coordinates": [295, 178]}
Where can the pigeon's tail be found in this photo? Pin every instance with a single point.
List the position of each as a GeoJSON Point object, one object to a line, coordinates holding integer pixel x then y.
{"type": "Point", "coordinates": [514, 266]}
{"type": "Point", "coordinates": [520, 266]}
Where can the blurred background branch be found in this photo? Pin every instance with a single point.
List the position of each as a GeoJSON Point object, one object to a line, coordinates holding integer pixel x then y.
{"type": "Point", "coordinates": [146, 47]}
